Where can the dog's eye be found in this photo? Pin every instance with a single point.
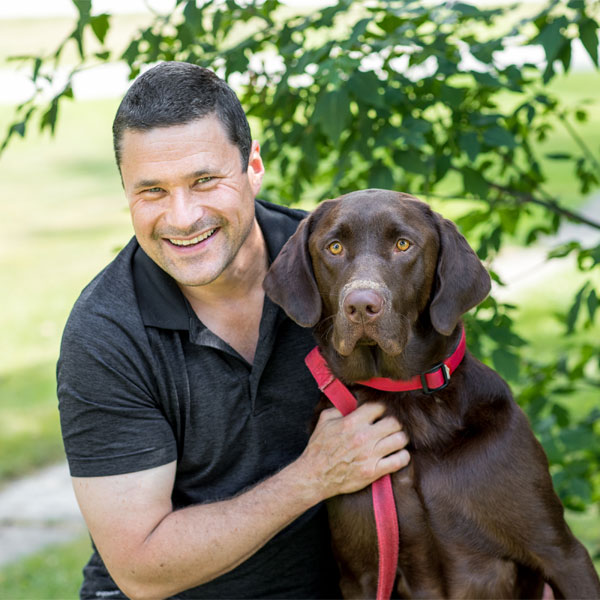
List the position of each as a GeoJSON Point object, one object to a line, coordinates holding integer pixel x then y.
{"type": "Point", "coordinates": [335, 248]}
{"type": "Point", "coordinates": [403, 245]}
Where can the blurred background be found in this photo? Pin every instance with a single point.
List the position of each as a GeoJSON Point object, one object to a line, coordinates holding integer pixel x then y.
{"type": "Point", "coordinates": [65, 217]}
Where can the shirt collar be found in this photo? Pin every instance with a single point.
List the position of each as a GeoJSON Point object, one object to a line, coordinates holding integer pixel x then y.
{"type": "Point", "coordinates": [161, 302]}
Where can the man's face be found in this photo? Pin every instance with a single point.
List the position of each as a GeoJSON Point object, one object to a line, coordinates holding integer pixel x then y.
{"type": "Point", "coordinates": [192, 205]}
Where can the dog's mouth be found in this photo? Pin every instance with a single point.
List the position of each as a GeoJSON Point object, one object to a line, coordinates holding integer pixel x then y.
{"type": "Point", "coordinates": [348, 339]}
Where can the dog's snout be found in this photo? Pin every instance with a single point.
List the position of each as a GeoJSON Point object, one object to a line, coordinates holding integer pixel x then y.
{"type": "Point", "coordinates": [363, 305]}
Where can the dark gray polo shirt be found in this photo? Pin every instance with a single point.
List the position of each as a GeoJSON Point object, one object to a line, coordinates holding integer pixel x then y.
{"type": "Point", "coordinates": [142, 382]}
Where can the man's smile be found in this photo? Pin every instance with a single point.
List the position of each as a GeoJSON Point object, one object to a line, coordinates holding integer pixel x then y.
{"type": "Point", "coordinates": [193, 241]}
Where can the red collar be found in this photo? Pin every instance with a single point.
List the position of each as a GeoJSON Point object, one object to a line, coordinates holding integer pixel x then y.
{"type": "Point", "coordinates": [386, 519]}
{"type": "Point", "coordinates": [433, 380]}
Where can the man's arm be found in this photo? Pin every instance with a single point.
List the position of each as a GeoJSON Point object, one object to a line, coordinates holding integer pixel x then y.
{"type": "Point", "coordinates": [152, 551]}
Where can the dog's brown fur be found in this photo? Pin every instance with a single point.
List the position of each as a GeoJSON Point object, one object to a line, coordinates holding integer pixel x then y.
{"type": "Point", "coordinates": [477, 513]}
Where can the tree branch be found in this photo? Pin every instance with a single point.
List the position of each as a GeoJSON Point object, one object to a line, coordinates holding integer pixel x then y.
{"type": "Point", "coordinates": [552, 205]}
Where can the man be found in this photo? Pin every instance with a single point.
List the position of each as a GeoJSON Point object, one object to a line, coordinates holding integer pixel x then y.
{"type": "Point", "coordinates": [183, 396]}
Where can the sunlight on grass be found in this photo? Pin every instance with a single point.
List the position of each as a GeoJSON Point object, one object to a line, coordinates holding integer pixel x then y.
{"type": "Point", "coordinates": [29, 425]}
{"type": "Point", "coordinates": [52, 574]}
{"type": "Point", "coordinates": [66, 219]}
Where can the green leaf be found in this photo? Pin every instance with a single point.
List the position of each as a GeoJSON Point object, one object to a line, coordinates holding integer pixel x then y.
{"type": "Point", "coordinates": [474, 183]}
{"type": "Point", "coordinates": [452, 96]}
{"type": "Point", "coordinates": [588, 33]}
{"type": "Point", "coordinates": [506, 363]}
{"type": "Point", "coordinates": [574, 310]}
{"type": "Point", "coordinates": [193, 17]}
{"type": "Point", "coordinates": [332, 113]}
{"type": "Point", "coordinates": [442, 166]}
{"type": "Point", "coordinates": [100, 25]}
{"type": "Point", "coordinates": [565, 56]}
{"type": "Point", "coordinates": [411, 161]}
{"type": "Point", "coordinates": [486, 79]}
{"type": "Point", "coordinates": [391, 22]}
{"type": "Point", "coordinates": [381, 177]}
{"type": "Point", "coordinates": [551, 38]}
{"type": "Point", "coordinates": [466, 9]}
{"type": "Point", "coordinates": [469, 143]}
{"type": "Point", "coordinates": [131, 54]}
{"type": "Point", "coordinates": [592, 304]}
{"type": "Point", "coordinates": [497, 136]}
{"type": "Point", "coordinates": [36, 68]}
{"type": "Point", "coordinates": [49, 117]}
{"type": "Point", "coordinates": [365, 87]}
{"type": "Point", "coordinates": [237, 61]}
{"type": "Point", "coordinates": [563, 416]}
{"type": "Point", "coordinates": [559, 156]}
{"type": "Point", "coordinates": [84, 8]}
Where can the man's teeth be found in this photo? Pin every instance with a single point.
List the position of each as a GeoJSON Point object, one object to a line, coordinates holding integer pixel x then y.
{"type": "Point", "coordinates": [195, 240]}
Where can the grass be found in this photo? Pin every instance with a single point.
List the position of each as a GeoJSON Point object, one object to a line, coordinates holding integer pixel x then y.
{"type": "Point", "coordinates": [51, 574]}
{"type": "Point", "coordinates": [64, 216]}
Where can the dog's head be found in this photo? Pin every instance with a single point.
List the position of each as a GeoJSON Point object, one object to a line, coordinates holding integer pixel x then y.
{"type": "Point", "coordinates": [370, 270]}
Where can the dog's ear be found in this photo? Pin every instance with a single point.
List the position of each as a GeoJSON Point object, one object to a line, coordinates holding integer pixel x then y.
{"type": "Point", "coordinates": [461, 280]}
{"type": "Point", "coordinates": [290, 281]}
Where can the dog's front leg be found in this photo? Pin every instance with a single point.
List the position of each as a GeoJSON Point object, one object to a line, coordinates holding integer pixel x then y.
{"type": "Point", "coordinates": [568, 568]}
{"type": "Point", "coordinates": [354, 542]}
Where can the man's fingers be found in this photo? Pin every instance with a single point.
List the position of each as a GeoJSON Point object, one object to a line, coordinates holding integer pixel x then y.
{"type": "Point", "coordinates": [329, 414]}
{"type": "Point", "coordinates": [393, 462]}
{"type": "Point", "coordinates": [391, 443]}
{"type": "Point", "coordinates": [387, 426]}
{"type": "Point", "coordinates": [369, 412]}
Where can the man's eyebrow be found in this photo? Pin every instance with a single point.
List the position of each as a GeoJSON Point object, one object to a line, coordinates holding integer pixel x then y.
{"type": "Point", "coordinates": [150, 183]}
{"type": "Point", "coordinates": [146, 183]}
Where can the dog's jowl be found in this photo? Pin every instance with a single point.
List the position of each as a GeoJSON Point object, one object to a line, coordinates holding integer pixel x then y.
{"type": "Point", "coordinates": [384, 281]}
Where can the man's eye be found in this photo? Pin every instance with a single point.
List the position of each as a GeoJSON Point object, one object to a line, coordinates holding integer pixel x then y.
{"type": "Point", "coordinates": [206, 179]}
{"type": "Point", "coordinates": [154, 190]}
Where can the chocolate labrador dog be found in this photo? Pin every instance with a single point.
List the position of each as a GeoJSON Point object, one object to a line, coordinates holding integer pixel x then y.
{"type": "Point", "coordinates": [384, 281]}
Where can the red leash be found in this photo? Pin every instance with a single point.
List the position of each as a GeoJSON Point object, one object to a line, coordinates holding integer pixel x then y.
{"type": "Point", "coordinates": [384, 506]}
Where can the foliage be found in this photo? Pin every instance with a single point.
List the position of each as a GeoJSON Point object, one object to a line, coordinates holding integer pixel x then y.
{"type": "Point", "coordinates": [412, 96]}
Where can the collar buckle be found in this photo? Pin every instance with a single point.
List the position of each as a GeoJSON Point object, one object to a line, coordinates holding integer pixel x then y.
{"type": "Point", "coordinates": [441, 368]}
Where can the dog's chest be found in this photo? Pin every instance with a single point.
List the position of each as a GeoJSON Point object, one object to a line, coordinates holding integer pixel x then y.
{"type": "Point", "coordinates": [433, 517]}
{"type": "Point", "coordinates": [431, 421]}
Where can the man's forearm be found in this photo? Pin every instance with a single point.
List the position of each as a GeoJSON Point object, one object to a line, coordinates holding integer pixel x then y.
{"type": "Point", "coordinates": [196, 544]}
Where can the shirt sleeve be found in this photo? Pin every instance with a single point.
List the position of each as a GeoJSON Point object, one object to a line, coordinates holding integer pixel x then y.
{"type": "Point", "coordinates": [110, 416]}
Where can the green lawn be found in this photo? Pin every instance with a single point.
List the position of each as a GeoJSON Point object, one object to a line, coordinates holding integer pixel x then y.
{"type": "Point", "coordinates": [52, 574]}
{"type": "Point", "coordinates": [64, 216]}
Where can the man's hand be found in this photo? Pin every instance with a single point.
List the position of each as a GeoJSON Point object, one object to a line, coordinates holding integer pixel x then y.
{"type": "Point", "coordinates": [345, 454]}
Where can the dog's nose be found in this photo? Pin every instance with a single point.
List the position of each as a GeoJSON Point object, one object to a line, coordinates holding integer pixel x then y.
{"type": "Point", "coordinates": [363, 305]}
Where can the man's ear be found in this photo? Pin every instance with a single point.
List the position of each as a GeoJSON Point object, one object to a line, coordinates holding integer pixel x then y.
{"type": "Point", "coordinates": [461, 280]}
{"type": "Point", "coordinates": [290, 281]}
{"type": "Point", "coordinates": [256, 169]}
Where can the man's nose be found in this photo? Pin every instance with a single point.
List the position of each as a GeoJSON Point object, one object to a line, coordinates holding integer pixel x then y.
{"type": "Point", "coordinates": [183, 210]}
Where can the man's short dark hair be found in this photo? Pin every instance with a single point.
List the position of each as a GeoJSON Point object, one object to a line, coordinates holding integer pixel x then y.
{"type": "Point", "coordinates": [177, 93]}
